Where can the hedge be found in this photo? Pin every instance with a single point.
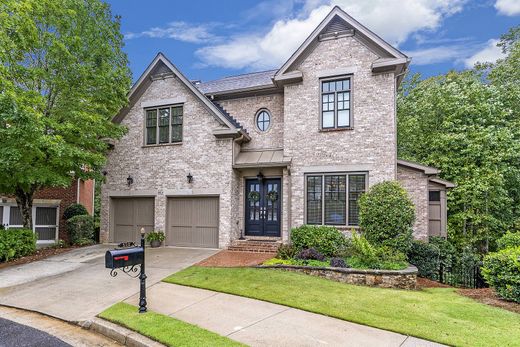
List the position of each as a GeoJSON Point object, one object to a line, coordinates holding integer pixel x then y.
{"type": "Point", "coordinates": [15, 243]}
{"type": "Point", "coordinates": [502, 271]}
{"type": "Point", "coordinates": [509, 240]}
{"type": "Point", "coordinates": [326, 240]}
{"type": "Point", "coordinates": [81, 229]}
{"type": "Point", "coordinates": [74, 210]}
{"type": "Point", "coordinates": [386, 216]}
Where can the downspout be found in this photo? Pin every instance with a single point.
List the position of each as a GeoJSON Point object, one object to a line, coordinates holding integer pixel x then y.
{"type": "Point", "coordinates": [237, 140]}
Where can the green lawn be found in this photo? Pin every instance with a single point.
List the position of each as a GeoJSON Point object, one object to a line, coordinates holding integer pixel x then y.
{"type": "Point", "coordinates": [167, 330]}
{"type": "Point", "coordinates": [437, 314]}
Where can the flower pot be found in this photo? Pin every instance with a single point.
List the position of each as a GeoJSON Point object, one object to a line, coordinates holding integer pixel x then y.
{"type": "Point", "coordinates": [155, 243]}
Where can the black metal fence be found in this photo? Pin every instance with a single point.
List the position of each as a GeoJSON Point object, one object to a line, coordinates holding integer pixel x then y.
{"type": "Point", "coordinates": [462, 276]}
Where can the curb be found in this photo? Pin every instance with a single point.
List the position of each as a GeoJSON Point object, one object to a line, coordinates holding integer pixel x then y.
{"type": "Point", "coordinates": [118, 333]}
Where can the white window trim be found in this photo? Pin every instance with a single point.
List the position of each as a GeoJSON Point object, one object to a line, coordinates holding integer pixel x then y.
{"type": "Point", "coordinates": [323, 174]}
{"type": "Point", "coordinates": [6, 219]}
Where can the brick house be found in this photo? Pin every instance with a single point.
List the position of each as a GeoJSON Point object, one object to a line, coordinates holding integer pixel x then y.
{"type": "Point", "coordinates": [48, 207]}
{"type": "Point", "coordinates": [257, 154]}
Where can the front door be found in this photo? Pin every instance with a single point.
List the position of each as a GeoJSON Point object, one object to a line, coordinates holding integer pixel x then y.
{"type": "Point", "coordinates": [263, 207]}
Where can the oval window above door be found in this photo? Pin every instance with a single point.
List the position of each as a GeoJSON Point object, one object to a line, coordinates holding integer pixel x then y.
{"type": "Point", "coordinates": [263, 120]}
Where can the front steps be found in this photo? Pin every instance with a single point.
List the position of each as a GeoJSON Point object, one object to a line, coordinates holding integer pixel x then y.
{"type": "Point", "coordinates": [255, 246]}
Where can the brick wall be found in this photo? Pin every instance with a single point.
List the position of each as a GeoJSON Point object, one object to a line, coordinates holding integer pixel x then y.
{"type": "Point", "coordinates": [162, 169]}
{"type": "Point", "coordinates": [86, 195]}
{"type": "Point", "coordinates": [370, 145]}
{"type": "Point", "coordinates": [416, 184]}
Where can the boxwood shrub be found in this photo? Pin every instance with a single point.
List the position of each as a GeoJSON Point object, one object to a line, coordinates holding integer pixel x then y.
{"type": "Point", "coordinates": [386, 216]}
{"type": "Point", "coordinates": [74, 210]}
{"type": "Point", "coordinates": [425, 256]}
{"type": "Point", "coordinates": [15, 243]}
{"type": "Point", "coordinates": [501, 271]}
{"type": "Point", "coordinates": [81, 229]}
{"type": "Point", "coordinates": [326, 240]}
{"type": "Point", "coordinates": [509, 240]}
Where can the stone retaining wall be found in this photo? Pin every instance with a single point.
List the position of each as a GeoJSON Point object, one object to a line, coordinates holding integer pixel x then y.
{"type": "Point", "coordinates": [400, 279]}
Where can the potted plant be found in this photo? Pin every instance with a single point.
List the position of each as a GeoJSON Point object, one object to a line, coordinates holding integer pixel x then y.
{"type": "Point", "coordinates": [155, 238]}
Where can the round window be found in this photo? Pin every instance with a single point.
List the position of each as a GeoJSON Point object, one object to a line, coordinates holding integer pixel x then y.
{"type": "Point", "coordinates": [263, 120]}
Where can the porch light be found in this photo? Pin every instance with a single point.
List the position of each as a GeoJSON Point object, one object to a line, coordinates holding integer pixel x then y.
{"type": "Point", "coordinates": [190, 178]}
{"type": "Point", "coordinates": [129, 180]}
{"type": "Point", "coordinates": [260, 177]}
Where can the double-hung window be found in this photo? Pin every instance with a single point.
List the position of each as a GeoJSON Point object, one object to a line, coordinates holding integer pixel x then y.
{"type": "Point", "coordinates": [336, 104]}
{"type": "Point", "coordinates": [163, 125]}
{"type": "Point", "coordinates": [332, 199]}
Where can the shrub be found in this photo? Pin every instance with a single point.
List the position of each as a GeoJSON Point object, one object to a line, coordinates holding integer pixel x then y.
{"type": "Point", "coordinates": [155, 236]}
{"type": "Point", "coordinates": [15, 243]}
{"type": "Point", "coordinates": [367, 256]}
{"type": "Point", "coordinates": [425, 256]}
{"type": "Point", "coordinates": [81, 230]}
{"type": "Point", "coordinates": [310, 254]}
{"type": "Point", "coordinates": [74, 210]}
{"type": "Point", "coordinates": [447, 251]}
{"type": "Point", "coordinates": [325, 239]}
{"type": "Point", "coordinates": [386, 215]}
{"type": "Point", "coordinates": [509, 240]}
{"type": "Point", "coordinates": [338, 262]}
{"type": "Point", "coordinates": [502, 271]}
{"type": "Point", "coordinates": [286, 252]}
{"type": "Point", "coordinates": [300, 262]}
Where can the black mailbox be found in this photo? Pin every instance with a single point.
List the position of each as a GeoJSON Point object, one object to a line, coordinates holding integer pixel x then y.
{"type": "Point", "coordinates": [124, 257]}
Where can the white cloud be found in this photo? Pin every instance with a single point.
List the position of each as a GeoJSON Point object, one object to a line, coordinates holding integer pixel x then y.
{"type": "Point", "coordinates": [180, 31]}
{"type": "Point", "coordinates": [439, 54]}
{"type": "Point", "coordinates": [490, 53]}
{"type": "Point", "coordinates": [508, 7]}
{"type": "Point", "coordinates": [394, 20]}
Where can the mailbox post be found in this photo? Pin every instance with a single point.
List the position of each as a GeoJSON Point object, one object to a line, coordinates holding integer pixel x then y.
{"type": "Point", "coordinates": [142, 277]}
{"type": "Point", "coordinates": [129, 260]}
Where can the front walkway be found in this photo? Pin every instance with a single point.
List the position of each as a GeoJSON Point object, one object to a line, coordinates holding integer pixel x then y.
{"type": "Point", "coordinates": [259, 323]}
{"type": "Point", "coordinates": [75, 286]}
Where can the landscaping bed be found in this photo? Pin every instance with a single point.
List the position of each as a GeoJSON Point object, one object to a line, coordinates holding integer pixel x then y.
{"type": "Point", "coordinates": [232, 259]}
{"type": "Point", "coordinates": [489, 297]}
{"type": "Point", "coordinates": [401, 279]}
{"type": "Point", "coordinates": [39, 254]}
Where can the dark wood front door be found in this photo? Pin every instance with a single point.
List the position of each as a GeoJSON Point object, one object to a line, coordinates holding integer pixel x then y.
{"type": "Point", "coordinates": [263, 207]}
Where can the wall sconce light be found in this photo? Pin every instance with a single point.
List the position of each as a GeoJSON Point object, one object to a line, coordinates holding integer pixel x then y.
{"type": "Point", "coordinates": [260, 177]}
{"type": "Point", "coordinates": [190, 178]}
{"type": "Point", "coordinates": [129, 180]}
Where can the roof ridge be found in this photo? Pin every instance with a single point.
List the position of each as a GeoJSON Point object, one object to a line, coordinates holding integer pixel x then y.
{"type": "Point", "coordinates": [239, 76]}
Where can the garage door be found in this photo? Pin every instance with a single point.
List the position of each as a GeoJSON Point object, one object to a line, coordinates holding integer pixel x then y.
{"type": "Point", "coordinates": [130, 215]}
{"type": "Point", "coordinates": [193, 222]}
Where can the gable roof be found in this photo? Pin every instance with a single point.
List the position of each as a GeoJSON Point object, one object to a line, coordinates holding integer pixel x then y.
{"type": "Point", "coordinates": [428, 170]}
{"type": "Point", "coordinates": [161, 66]}
{"type": "Point", "coordinates": [254, 80]}
{"type": "Point", "coordinates": [338, 23]}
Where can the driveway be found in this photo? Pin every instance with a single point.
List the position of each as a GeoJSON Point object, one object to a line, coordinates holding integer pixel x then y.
{"type": "Point", "coordinates": [75, 286]}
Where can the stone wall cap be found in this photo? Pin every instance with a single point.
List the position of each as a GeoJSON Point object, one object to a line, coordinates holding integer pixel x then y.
{"type": "Point", "coordinates": [410, 270]}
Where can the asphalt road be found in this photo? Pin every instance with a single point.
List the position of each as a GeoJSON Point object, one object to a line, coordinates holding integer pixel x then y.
{"type": "Point", "coordinates": [18, 335]}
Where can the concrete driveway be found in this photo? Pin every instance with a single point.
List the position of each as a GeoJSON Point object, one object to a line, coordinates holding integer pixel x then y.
{"type": "Point", "coordinates": [75, 286]}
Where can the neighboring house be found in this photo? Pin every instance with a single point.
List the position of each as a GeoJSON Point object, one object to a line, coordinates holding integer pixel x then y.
{"type": "Point", "coordinates": [48, 207]}
{"type": "Point", "coordinates": [260, 153]}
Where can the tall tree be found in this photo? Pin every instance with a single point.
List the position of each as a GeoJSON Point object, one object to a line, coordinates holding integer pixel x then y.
{"type": "Point", "coordinates": [468, 124]}
{"type": "Point", "coordinates": [63, 76]}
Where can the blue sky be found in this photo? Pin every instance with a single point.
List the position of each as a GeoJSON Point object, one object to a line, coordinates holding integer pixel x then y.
{"type": "Point", "coordinates": [210, 39]}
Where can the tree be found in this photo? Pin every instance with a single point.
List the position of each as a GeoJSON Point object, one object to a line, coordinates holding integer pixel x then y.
{"type": "Point", "coordinates": [63, 76]}
{"type": "Point", "coordinates": [468, 124]}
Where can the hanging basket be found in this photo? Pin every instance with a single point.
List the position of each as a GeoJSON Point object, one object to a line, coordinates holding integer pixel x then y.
{"type": "Point", "coordinates": [253, 196]}
{"type": "Point", "coordinates": [272, 195]}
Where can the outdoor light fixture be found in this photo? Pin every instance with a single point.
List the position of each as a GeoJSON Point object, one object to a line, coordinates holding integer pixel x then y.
{"type": "Point", "coordinates": [190, 178]}
{"type": "Point", "coordinates": [260, 177]}
{"type": "Point", "coordinates": [129, 180]}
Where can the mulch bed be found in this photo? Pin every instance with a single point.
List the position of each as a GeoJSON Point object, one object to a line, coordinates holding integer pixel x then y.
{"type": "Point", "coordinates": [40, 254]}
{"type": "Point", "coordinates": [236, 259]}
{"type": "Point", "coordinates": [483, 295]}
{"type": "Point", "coordinates": [489, 297]}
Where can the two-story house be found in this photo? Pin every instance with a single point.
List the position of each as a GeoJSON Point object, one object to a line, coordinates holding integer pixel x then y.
{"type": "Point", "coordinates": [255, 155]}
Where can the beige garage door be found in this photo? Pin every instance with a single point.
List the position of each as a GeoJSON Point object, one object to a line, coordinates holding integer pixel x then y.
{"type": "Point", "coordinates": [193, 222]}
{"type": "Point", "coordinates": [130, 215]}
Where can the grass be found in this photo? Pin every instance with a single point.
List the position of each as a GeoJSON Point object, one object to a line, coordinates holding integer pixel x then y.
{"type": "Point", "coordinates": [437, 314]}
{"type": "Point", "coordinates": [165, 329]}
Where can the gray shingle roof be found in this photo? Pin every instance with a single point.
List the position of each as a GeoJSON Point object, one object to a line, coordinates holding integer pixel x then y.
{"type": "Point", "coordinates": [229, 117]}
{"type": "Point", "coordinates": [250, 80]}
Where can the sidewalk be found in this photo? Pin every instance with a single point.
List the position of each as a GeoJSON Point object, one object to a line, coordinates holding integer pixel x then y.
{"type": "Point", "coordinates": [259, 323]}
